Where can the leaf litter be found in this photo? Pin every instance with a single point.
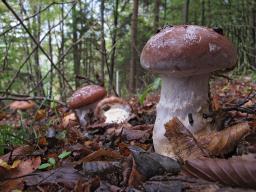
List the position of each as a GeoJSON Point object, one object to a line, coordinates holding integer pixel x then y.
{"type": "Point", "coordinates": [120, 157]}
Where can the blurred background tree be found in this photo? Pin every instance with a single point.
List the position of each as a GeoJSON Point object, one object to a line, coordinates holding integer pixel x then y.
{"type": "Point", "coordinates": [99, 41]}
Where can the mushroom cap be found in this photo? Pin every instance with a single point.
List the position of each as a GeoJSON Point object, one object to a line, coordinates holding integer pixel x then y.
{"type": "Point", "coordinates": [86, 95]}
{"type": "Point", "coordinates": [186, 50]}
{"type": "Point", "coordinates": [22, 105]}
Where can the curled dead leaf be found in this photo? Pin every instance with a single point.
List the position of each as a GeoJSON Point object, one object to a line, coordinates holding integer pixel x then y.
{"type": "Point", "coordinates": [232, 172]}
{"type": "Point", "coordinates": [184, 145]}
{"type": "Point", "coordinates": [222, 142]}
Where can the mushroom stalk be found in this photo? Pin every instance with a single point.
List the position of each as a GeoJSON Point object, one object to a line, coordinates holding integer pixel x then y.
{"type": "Point", "coordinates": [185, 98]}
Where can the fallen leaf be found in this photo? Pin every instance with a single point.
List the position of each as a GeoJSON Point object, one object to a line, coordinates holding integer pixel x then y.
{"type": "Point", "coordinates": [101, 167]}
{"type": "Point", "coordinates": [232, 172]}
{"type": "Point", "coordinates": [5, 165]}
{"type": "Point", "coordinates": [18, 152]}
{"type": "Point", "coordinates": [12, 185]}
{"type": "Point", "coordinates": [101, 154]}
{"type": "Point", "coordinates": [66, 176]}
{"type": "Point", "coordinates": [184, 144]}
{"type": "Point", "coordinates": [40, 114]}
{"type": "Point", "coordinates": [222, 142]}
{"type": "Point", "coordinates": [24, 167]}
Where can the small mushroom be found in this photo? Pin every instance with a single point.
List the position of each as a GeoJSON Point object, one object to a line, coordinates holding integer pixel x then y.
{"type": "Point", "coordinates": [113, 110]}
{"type": "Point", "coordinates": [184, 56]}
{"type": "Point", "coordinates": [22, 105]}
{"type": "Point", "coordinates": [69, 120]}
{"type": "Point", "coordinates": [84, 100]}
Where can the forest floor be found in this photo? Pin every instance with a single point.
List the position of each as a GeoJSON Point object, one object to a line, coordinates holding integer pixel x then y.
{"type": "Point", "coordinates": [120, 157]}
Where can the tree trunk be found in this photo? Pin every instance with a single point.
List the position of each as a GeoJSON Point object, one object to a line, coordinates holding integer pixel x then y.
{"type": "Point", "coordinates": [112, 59]}
{"type": "Point", "coordinates": [132, 75]}
{"type": "Point", "coordinates": [61, 66]}
{"type": "Point", "coordinates": [186, 12]}
{"type": "Point", "coordinates": [156, 14]}
{"type": "Point", "coordinates": [76, 55]}
{"type": "Point", "coordinates": [51, 56]}
{"type": "Point", "coordinates": [253, 32]}
{"type": "Point", "coordinates": [36, 33]}
{"type": "Point", "coordinates": [202, 12]}
{"type": "Point", "coordinates": [102, 41]}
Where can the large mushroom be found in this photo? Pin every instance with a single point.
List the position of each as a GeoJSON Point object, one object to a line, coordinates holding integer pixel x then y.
{"type": "Point", "coordinates": [84, 100]}
{"type": "Point", "coordinates": [184, 56]}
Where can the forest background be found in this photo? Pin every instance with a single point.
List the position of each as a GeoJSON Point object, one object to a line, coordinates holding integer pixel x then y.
{"type": "Point", "coordinates": [50, 48]}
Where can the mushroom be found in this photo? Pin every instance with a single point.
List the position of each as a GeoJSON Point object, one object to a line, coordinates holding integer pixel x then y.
{"type": "Point", "coordinates": [84, 100]}
{"type": "Point", "coordinates": [184, 56]}
{"type": "Point", "coordinates": [113, 110]}
{"type": "Point", "coordinates": [22, 105]}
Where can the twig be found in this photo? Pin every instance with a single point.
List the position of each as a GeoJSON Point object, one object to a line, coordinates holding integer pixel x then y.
{"type": "Point", "coordinates": [60, 60]}
{"type": "Point", "coordinates": [29, 17]}
{"type": "Point", "coordinates": [31, 98]}
{"type": "Point", "coordinates": [35, 41]}
{"type": "Point", "coordinates": [86, 79]}
{"type": "Point", "coordinates": [30, 54]}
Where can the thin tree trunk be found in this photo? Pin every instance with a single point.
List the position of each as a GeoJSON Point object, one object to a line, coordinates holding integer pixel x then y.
{"type": "Point", "coordinates": [102, 41]}
{"type": "Point", "coordinates": [202, 12]}
{"type": "Point", "coordinates": [186, 12]}
{"type": "Point", "coordinates": [36, 33]}
{"type": "Point", "coordinates": [112, 59]}
{"type": "Point", "coordinates": [132, 75]}
{"type": "Point", "coordinates": [156, 14]}
{"type": "Point", "coordinates": [62, 63]}
{"type": "Point", "coordinates": [51, 56]}
{"type": "Point", "coordinates": [253, 33]}
{"type": "Point", "coordinates": [76, 55]}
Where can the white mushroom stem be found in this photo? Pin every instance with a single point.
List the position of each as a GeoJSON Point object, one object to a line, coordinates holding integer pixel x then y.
{"type": "Point", "coordinates": [82, 113]}
{"type": "Point", "coordinates": [180, 96]}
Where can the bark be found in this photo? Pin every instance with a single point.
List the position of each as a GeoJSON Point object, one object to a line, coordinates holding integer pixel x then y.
{"type": "Point", "coordinates": [36, 33]}
{"type": "Point", "coordinates": [253, 33]}
{"type": "Point", "coordinates": [132, 75]}
{"type": "Point", "coordinates": [156, 14]}
{"type": "Point", "coordinates": [61, 64]}
{"type": "Point", "coordinates": [76, 51]}
{"type": "Point", "coordinates": [186, 12]}
{"type": "Point", "coordinates": [113, 53]}
{"type": "Point", "coordinates": [102, 41]}
{"type": "Point", "coordinates": [51, 56]}
{"type": "Point", "coordinates": [202, 12]}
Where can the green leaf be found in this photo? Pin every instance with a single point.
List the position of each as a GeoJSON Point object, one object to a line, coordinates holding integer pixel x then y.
{"type": "Point", "coordinates": [44, 166]}
{"type": "Point", "coordinates": [52, 161]}
{"type": "Point", "coordinates": [64, 154]}
{"type": "Point", "coordinates": [151, 87]}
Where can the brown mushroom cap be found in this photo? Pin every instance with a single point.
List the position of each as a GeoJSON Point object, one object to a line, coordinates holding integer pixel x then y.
{"type": "Point", "coordinates": [86, 95]}
{"type": "Point", "coordinates": [188, 50]}
{"type": "Point", "coordinates": [22, 105]}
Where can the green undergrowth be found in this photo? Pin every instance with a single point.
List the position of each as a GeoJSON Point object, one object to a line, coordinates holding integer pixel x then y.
{"type": "Point", "coordinates": [10, 136]}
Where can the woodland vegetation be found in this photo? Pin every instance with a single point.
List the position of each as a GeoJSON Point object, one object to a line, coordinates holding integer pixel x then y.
{"type": "Point", "coordinates": [48, 142]}
{"type": "Point", "coordinates": [80, 42]}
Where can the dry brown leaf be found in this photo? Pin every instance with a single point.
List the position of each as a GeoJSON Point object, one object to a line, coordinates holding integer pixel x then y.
{"type": "Point", "coordinates": [222, 142]}
{"type": "Point", "coordinates": [183, 143]}
{"type": "Point", "coordinates": [40, 114]}
{"type": "Point", "coordinates": [233, 172]}
{"type": "Point", "coordinates": [24, 167]}
{"type": "Point", "coordinates": [12, 185]}
{"type": "Point", "coordinates": [101, 154]}
{"type": "Point", "coordinates": [18, 152]}
{"type": "Point", "coordinates": [135, 177]}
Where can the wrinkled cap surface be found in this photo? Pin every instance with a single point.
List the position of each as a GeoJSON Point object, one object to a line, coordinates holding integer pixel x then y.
{"type": "Point", "coordinates": [86, 95]}
{"type": "Point", "coordinates": [188, 50]}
